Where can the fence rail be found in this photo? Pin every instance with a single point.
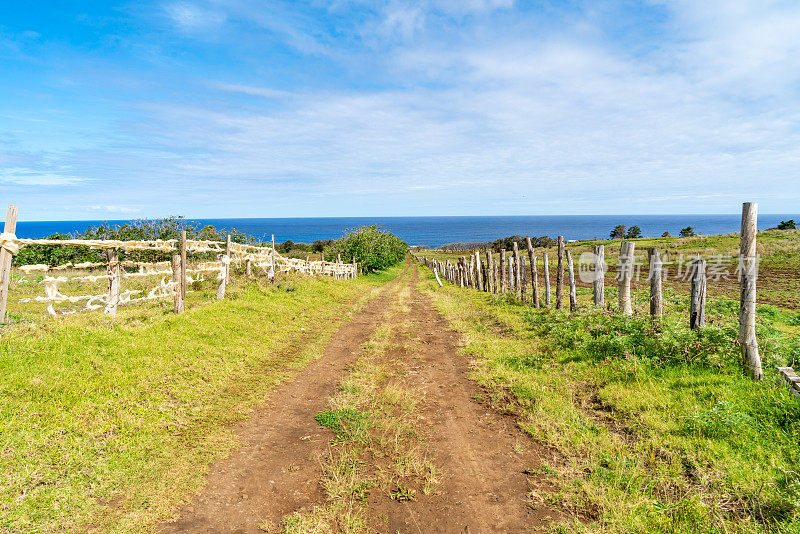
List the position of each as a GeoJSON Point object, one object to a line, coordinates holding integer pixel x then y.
{"type": "Point", "coordinates": [176, 275]}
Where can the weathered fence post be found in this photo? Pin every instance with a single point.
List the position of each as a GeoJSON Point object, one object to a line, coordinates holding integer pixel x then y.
{"type": "Point", "coordinates": [534, 274]}
{"type": "Point", "coordinates": [436, 274]}
{"type": "Point", "coordinates": [560, 273]}
{"type": "Point", "coordinates": [228, 254]}
{"type": "Point", "coordinates": [599, 275]}
{"type": "Point", "coordinates": [624, 275]}
{"type": "Point", "coordinates": [517, 272]}
{"type": "Point", "coordinates": [546, 268]}
{"type": "Point", "coordinates": [697, 307]}
{"type": "Point", "coordinates": [748, 273]}
{"type": "Point", "coordinates": [489, 272]}
{"type": "Point", "coordinates": [114, 282]}
{"type": "Point", "coordinates": [183, 265]}
{"type": "Point", "coordinates": [248, 268]}
{"type": "Point", "coordinates": [656, 299]}
{"type": "Point", "coordinates": [271, 272]}
{"type": "Point", "coordinates": [478, 271]}
{"type": "Point", "coordinates": [176, 283]}
{"type": "Point", "coordinates": [573, 299]}
{"type": "Point", "coordinates": [503, 281]}
{"type": "Point", "coordinates": [7, 251]}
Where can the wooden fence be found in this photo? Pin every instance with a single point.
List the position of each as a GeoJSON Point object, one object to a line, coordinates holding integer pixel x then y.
{"type": "Point", "coordinates": [176, 275]}
{"type": "Point", "coordinates": [509, 276]}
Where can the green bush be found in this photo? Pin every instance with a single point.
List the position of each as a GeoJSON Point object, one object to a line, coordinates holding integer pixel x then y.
{"type": "Point", "coordinates": [142, 230]}
{"type": "Point", "coordinates": [373, 249]}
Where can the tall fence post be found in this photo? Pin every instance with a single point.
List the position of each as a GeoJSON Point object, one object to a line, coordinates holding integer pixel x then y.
{"type": "Point", "coordinates": [624, 275]}
{"type": "Point", "coordinates": [9, 248]}
{"type": "Point", "coordinates": [490, 282]}
{"type": "Point", "coordinates": [534, 274]}
{"type": "Point", "coordinates": [176, 284]}
{"type": "Point", "coordinates": [560, 273]}
{"type": "Point", "coordinates": [183, 265]}
{"type": "Point", "coordinates": [697, 307]}
{"type": "Point", "coordinates": [546, 268]}
{"type": "Point", "coordinates": [478, 271]}
{"type": "Point", "coordinates": [599, 275]}
{"type": "Point", "coordinates": [573, 298]}
{"type": "Point", "coordinates": [114, 283]}
{"type": "Point", "coordinates": [502, 269]}
{"type": "Point", "coordinates": [271, 273]}
{"type": "Point", "coordinates": [748, 273]}
{"type": "Point", "coordinates": [228, 254]}
{"type": "Point", "coordinates": [656, 267]}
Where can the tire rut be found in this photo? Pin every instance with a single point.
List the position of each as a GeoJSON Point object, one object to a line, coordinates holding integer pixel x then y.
{"type": "Point", "coordinates": [277, 470]}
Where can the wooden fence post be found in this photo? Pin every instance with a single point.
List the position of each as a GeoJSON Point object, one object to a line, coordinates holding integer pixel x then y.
{"type": "Point", "coordinates": [489, 272]}
{"type": "Point", "coordinates": [7, 256]}
{"type": "Point", "coordinates": [534, 274]}
{"type": "Point", "coordinates": [748, 273]}
{"type": "Point", "coordinates": [114, 282]}
{"type": "Point", "coordinates": [697, 308]}
{"type": "Point", "coordinates": [248, 268]}
{"type": "Point", "coordinates": [560, 273]}
{"type": "Point", "coordinates": [271, 273]}
{"type": "Point", "coordinates": [573, 298]}
{"type": "Point", "coordinates": [502, 269]}
{"type": "Point", "coordinates": [517, 273]}
{"type": "Point", "coordinates": [228, 253]}
{"type": "Point", "coordinates": [176, 283]}
{"type": "Point", "coordinates": [624, 275]}
{"type": "Point", "coordinates": [656, 267]}
{"type": "Point", "coordinates": [183, 265]}
{"type": "Point", "coordinates": [546, 268]}
{"type": "Point", "coordinates": [599, 275]}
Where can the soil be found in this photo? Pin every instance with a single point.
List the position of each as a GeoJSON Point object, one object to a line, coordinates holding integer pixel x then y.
{"type": "Point", "coordinates": [487, 464]}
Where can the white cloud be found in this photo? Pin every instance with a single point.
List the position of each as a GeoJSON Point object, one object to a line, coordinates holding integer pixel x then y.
{"type": "Point", "coordinates": [114, 209]}
{"type": "Point", "coordinates": [192, 17]}
{"type": "Point", "coordinates": [33, 177]}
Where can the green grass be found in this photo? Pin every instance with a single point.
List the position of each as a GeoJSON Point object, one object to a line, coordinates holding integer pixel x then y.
{"type": "Point", "coordinates": [112, 423]}
{"type": "Point", "coordinates": [658, 428]}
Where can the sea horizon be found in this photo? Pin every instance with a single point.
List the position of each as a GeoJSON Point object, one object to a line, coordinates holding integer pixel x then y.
{"type": "Point", "coordinates": [435, 231]}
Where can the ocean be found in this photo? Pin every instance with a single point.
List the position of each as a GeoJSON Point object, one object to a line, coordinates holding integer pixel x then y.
{"type": "Point", "coordinates": [436, 231]}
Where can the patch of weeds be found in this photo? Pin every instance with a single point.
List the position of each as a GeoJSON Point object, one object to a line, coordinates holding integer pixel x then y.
{"type": "Point", "coordinates": [346, 423]}
{"type": "Point", "coordinates": [402, 493]}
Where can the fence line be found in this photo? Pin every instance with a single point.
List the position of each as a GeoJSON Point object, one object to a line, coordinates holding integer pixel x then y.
{"type": "Point", "coordinates": [180, 274]}
{"type": "Point", "coordinates": [510, 280]}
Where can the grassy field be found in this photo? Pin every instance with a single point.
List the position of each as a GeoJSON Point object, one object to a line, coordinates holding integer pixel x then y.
{"type": "Point", "coordinates": [657, 428]}
{"type": "Point", "coordinates": [109, 425]}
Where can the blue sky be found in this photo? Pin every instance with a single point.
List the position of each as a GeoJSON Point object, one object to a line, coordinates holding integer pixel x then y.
{"type": "Point", "coordinates": [218, 108]}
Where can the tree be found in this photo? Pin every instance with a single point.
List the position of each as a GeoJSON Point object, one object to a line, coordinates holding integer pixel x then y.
{"type": "Point", "coordinates": [787, 225]}
{"type": "Point", "coordinates": [666, 234]}
{"type": "Point", "coordinates": [687, 232]}
{"type": "Point", "coordinates": [286, 246]}
{"type": "Point", "coordinates": [633, 232]}
{"type": "Point", "coordinates": [320, 244]}
{"type": "Point", "coordinates": [618, 232]}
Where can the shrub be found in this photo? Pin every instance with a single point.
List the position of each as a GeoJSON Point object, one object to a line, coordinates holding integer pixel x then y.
{"type": "Point", "coordinates": [321, 244]}
{"type": "Point", "coordinates": [507, 243]}
{"type": "Point", "coordinates": [687, 232]}
{"type": "Point", "coordinates": [372, 248]}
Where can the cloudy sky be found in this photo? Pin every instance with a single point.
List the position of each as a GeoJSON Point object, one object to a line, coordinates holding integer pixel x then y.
{"type": "Point", "coordinates": [243, 108]}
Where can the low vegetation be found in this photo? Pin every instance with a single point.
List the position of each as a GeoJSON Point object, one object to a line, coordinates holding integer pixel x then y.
{"type": "Point", "coordinates": [372, 248]}
{"type": "Point", "coordinates": [111, 423]}
{"type": "Point", "coordinates": [658, 428]}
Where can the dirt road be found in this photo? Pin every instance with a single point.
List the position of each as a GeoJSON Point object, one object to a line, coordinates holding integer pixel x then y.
{"type": "Point", "coordinates": [486, 463]}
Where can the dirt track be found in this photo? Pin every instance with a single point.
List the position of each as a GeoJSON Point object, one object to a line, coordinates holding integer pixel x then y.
{"type": "Point", "coordinates": [482, 455]}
